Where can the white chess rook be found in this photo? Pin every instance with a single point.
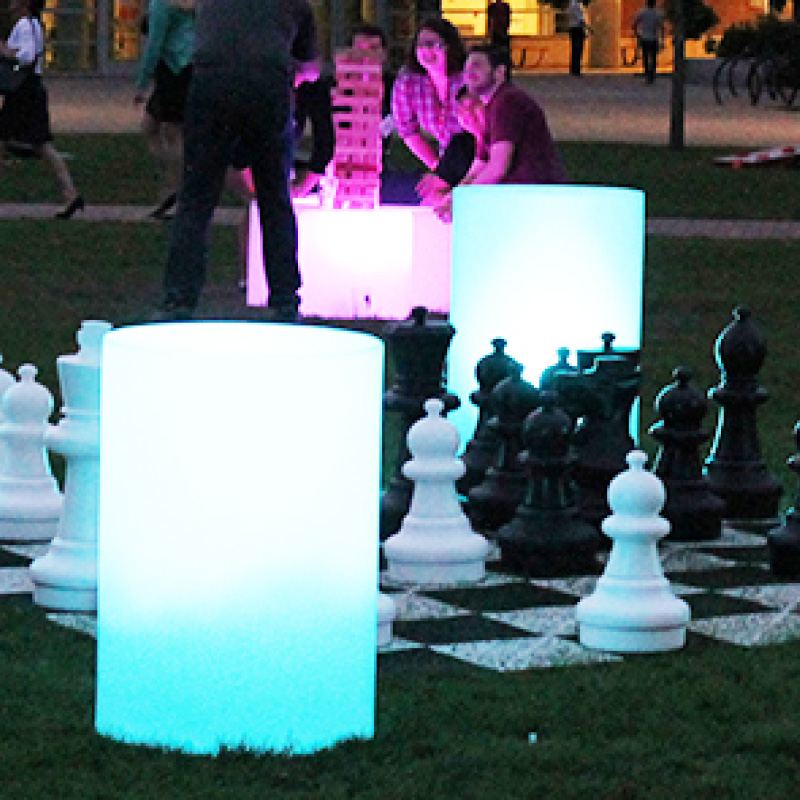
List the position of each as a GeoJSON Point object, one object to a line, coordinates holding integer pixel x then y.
{"type": "Point", "coordinates": [633, 608]}
{"type": "Point", "coordinates": [65, 577]}
{"type": "Point", "coordinates": [30, 502]}
{"type": "Point", "coordinates": [435, 543]}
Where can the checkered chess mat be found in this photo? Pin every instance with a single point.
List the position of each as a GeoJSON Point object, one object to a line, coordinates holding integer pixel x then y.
{"type": "Point", "coordinates": [508, 623]}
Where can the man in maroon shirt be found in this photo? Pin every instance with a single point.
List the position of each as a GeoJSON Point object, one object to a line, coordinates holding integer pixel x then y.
{"type": "Point", "coordinates": [516, 146]}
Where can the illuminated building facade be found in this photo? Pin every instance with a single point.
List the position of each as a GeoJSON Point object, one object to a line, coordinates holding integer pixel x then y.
{"type": "Point", "coordinates": [104, 36]}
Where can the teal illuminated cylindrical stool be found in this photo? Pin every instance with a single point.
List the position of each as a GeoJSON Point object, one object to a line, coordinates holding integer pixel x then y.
{"type": "Point", "coordinates": [238, 535]}
{"type": "Point", "coordinates": [543, 267]}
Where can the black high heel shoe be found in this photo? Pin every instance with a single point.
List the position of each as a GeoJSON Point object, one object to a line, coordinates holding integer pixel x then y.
{"type": "Point", "coordinates": [161, 211]}
{"type": "Point", "coordinates": [76, 204]}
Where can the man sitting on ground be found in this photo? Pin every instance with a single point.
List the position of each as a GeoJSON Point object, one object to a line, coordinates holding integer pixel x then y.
{"type": "Point", "coordinates": [516, 145]}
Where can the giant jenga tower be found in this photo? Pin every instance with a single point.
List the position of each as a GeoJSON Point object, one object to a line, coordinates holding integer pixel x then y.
{"type": "Point", "coordinates": [357, 98]}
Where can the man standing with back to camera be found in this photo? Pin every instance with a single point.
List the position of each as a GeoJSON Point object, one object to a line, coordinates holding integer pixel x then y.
{"type": "Point", "coordinates": [248, 54]}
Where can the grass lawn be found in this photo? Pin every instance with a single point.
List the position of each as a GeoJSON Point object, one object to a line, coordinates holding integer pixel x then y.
{"type": "Point", "coordinates": [720, 723]}
{"type": "Point", "coordinates": [715, 722]}
{"type": "Point", "coordinates": [117, 169]}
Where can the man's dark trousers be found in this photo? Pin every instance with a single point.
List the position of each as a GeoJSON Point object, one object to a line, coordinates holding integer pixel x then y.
{"type": "Point", "coordinates": [251, 112]}
{"type": "Point", "coordinates": [649, 58]}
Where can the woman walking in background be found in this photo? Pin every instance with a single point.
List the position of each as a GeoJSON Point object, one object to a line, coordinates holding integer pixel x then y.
{"type": "Point", "coordinates": [25, 115]}
{"type": "Point", "coordinates": [166, 63]}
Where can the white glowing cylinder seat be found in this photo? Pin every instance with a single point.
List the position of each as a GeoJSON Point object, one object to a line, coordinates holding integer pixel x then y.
{"type": "Point", "coordinates": [543, 267]}
{"type": "Point", "coordinates": [238, 536]}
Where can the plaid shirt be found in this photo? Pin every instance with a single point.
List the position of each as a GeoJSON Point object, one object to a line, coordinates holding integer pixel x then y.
{"type": "Point", "coordinates": [416, 107]}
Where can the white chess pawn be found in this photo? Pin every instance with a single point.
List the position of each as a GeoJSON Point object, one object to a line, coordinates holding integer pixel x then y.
{"type": "Point", "coordinates": [386, 614]}
{"type": "Point", "coordinates": [65, 577]}
{"type": "Point", "coordinates": [435, 543]}
{"type": "Point", "coordinates": [633, 608]}
{"type": "Point", "coordinates": [30, 502]}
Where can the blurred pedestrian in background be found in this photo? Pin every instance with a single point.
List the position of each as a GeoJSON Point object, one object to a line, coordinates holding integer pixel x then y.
{"type": "Point", "coordinates": [648, 27]}
{"type": "Point", "coordinates": [25, 115]}
{"type": "Point", "coordinates": [166, 64]}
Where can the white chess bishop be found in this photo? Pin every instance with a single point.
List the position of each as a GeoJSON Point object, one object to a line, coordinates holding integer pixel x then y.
{"type": "Point", "coordinates": [65, 577]}
{"type": "Point", "coordinates": [435, 543]}
{"type": "Point", "coordinates": [633, 608]}
{"type": "Point", "coordinates": [30, 501]}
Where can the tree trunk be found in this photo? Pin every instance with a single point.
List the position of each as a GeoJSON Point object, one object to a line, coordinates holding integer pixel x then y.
{"type": "Point", "coordinates": [678, 96]}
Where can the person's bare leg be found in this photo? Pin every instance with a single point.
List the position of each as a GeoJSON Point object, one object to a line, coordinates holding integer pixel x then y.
{"type": "Point", "coordinates": [54, 160]}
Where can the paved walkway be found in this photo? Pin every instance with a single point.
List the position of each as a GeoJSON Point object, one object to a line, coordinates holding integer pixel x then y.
{"type": "Point", "coordinates": [599, 106]}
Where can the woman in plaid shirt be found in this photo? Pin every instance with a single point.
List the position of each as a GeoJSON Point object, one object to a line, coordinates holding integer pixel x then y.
{"type": "Point", "coordinates": [424, 94]}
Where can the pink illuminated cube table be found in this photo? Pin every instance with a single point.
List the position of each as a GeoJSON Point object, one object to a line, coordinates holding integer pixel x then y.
{"type": "Point", "coordinates": [358, 263]}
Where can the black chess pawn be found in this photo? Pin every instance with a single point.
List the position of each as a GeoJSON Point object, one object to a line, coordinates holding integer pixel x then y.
{"type": "Point", "coordinates": [694, 513]}
{"type": "Point", "coordinates": [483, 449]}
{"type": "Point", "coordinates": [549, 380]}
{"type": "Point", "coordinates": [784, 541]}
{"type": "Point", "coordinates": [735, 468]}
{"type": "Point", "coordinates": [547, 536]}
{"type": "Point", "coordinates": [493, 501]}
{"type": "Point", "coordinates": [600, 398]}
{"type": "Point", "coordinates": [417, 348]}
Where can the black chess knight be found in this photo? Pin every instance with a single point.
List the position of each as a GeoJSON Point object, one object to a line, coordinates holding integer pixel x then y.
{"type": "Point", "coordinates": [600, 398]}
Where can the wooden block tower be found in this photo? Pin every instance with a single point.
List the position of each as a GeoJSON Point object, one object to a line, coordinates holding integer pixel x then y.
{"type": "Point", "coordinates": [355, 169]}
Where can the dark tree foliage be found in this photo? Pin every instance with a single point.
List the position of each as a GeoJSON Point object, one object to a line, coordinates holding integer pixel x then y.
{"type": "Point", "coordinates": [768, 35]}
{"type": "Point", "coordinates": [697, 16]}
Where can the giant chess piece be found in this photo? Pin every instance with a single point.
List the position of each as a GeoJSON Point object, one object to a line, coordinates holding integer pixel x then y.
{"type": "Point", "coordinates": [387, 611]}
{"type": "Point", "coordinates": [736, 471]}
{"type": "Point", "coordinates": [694, 513]}
{"type": "Point", "coordinates": [549, 380]}
{"type": "Point", "coordinates": [784, 541]}
{"type": "Point", "coordinates": [494, 500]}
{"type": "Point", "coordinates": [30, 502]}
{"type": "Point", "coordinates": [633, 608]}
{"type": "Point", "coordinates": [6, 382]}
{"type": "Point", "coordinates": [418, 347]}
{"type": "Point", "coordinates": [435, 544]}
{"type": "Point", "coordinates": [601, 399]}
{"type": "Point", "coordinates": [586, 358]}
{"type": "Point", "coordinates": [65, 577]}
{"type": "Point", "coordinates": [483, 449]}
{"type": "Point", "coordinates": [547, 537]}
